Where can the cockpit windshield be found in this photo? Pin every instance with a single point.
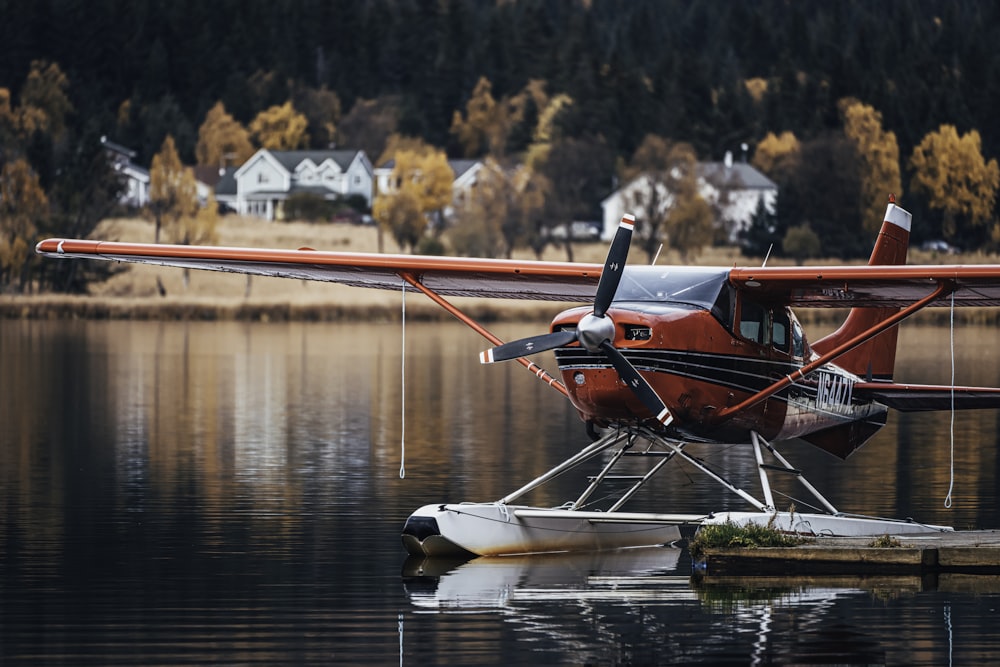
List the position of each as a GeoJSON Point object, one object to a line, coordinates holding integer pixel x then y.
{"type": "Point", "coordinates": [699, 287]}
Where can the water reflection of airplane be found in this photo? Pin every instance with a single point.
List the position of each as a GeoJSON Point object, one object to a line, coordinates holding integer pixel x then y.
{"type": "Point", "coordinates": [639, 573]}
{"type": "Point", "coordinates": [539, 592]}
{"type": "Point", "coordinates": [664, 357]}
{"type": "Point", "coordinates": [762, 607]}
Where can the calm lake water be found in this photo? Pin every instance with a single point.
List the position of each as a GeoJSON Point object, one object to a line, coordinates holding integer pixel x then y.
{"type": "Point", "coordinates": [188, 493]}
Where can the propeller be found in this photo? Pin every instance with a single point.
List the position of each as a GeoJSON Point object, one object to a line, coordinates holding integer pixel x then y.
{"type": "Point", "coordinates": [595, 331]}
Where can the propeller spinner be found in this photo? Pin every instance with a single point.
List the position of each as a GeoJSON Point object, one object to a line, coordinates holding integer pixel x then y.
{"type": "Point", "coordinates": [595, 331]}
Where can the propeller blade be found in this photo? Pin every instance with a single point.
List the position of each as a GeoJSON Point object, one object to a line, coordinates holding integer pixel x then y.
{"type": "Point", "coordinates": [526, 346]}
{"type": "Point", "coordinates": [637, 383]}
{"type": "Point", "coordinates": [614, 265]}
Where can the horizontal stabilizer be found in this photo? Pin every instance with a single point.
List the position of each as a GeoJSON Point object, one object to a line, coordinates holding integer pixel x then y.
{"type": "Point", "coordinates": [925, 397]}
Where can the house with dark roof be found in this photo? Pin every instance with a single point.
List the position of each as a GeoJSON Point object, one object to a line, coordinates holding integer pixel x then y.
{"type": "Point", "coordinates": [466, 174]}
{"type": "Point", "coordinates": [267, 179]}
{"type": "Point", "coordinates": [136, 194]}
{"type": "Point", "coordinates": [736, 188]}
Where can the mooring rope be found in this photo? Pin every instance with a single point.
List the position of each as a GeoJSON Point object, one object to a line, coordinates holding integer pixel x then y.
{"type": "Point", "coordinates": [951, 475]}
{"type": "Point", "coordinates": [402, 396]}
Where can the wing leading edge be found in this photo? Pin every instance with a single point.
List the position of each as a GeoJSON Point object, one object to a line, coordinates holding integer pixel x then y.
{"type": "Point", "coordinates": [812, 287]}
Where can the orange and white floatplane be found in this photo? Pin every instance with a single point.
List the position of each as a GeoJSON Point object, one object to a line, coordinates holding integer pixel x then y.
{"type": "Point", "coordinates": [662, 357]}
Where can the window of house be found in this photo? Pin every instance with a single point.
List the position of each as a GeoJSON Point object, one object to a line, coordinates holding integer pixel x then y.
{"type": "Point", "coordinates": [262, 177]}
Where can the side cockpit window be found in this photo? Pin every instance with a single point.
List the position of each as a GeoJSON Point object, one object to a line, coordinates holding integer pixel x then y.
{"type": "Point", "coordinates": [753, 322]}
{"type": "Point", "coordinates": [723, 306]}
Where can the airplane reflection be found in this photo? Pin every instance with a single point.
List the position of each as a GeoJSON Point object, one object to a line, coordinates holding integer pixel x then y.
{"type": "Point", "coordinates": [753, 620]}
{"type": "Point", "coordinates": [496, 581]}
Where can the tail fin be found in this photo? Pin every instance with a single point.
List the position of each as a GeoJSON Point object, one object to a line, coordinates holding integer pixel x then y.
{"type": "Point", "coordinates": [874, 359]}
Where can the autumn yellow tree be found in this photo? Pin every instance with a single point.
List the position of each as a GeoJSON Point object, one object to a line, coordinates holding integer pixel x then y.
{"type": "Point", "coordinates": [280, 128]}
{"type": "Point", "coordinates": [173, 193]}
{"type": "Point", "coordinates": [222, 140]}
{"type": "Point", "coordinates": [22, 205]}
{"type": "Point", "coordinates": [422, 180]}
{"type": "Point", "coordinates": [43, 97]}
{"type": "Point", "coordinates": [9, 123]}
{"type": "Point", "coordinates": [879, 155]}
{"type": "Point", "coordinates": [43, 109]}
{"type": "Point", "coordinates": [200, 228]}
{"type": "Point", "coordinates": [545, 132]}
{"type": "Point", "coordinates": [957, 180]}
{"type": "Point", "coordinates": [472, 131]}
{"type": "Point", "coordinates": [400, 215]}
{"type": "Point", "coordinates": [428, 175]}
{"type": "Point", "coordinates": [486, 125]}
{"type": "Point", "coordinates": [775, 152]}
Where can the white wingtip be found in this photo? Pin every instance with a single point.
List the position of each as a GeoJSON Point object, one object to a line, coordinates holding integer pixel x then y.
{"type": "Point", "coordinates": [665, 417]}
{"type": "Point", "coordinates": [486, 356]}
{"type": "Point", "coordinates": [628, 221]}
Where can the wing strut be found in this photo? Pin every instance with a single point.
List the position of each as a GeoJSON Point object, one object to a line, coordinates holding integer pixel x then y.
{"type": "Point", "coordinates": [537, 370]}
{"type": "Point", "coordinates": [943, 288]}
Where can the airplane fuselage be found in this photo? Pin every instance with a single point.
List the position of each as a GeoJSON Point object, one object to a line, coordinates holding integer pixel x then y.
{"type": "Point", "coordinates": [703, 348]}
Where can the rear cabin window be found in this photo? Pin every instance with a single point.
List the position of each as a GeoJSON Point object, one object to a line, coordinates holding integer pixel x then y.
{"type": "Point", "coordinates": [780, 329]}
{"type": "Point", "coordinates": [798, 341]}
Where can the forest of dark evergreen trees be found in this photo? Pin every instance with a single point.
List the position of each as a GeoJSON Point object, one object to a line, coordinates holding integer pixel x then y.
{"type": "Point", "coordinates": [672, 67]}
{"type": "Point", "coordinates": [140, 69]}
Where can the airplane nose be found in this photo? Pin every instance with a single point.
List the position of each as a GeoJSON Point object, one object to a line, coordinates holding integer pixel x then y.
{"type": "Point", "coordinates": [593, 330]}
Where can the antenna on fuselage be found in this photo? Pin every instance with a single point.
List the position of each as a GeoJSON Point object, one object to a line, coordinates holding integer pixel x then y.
{"type": "Point", "coordinates": [657, 255]}
{"type": "Point", "coordinates": [767, 256]}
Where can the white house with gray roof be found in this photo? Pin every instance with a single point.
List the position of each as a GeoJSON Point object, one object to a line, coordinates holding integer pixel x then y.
{"type": "Point", "coordinates": [266, 180]}
{"type": "Point", "coordinates": [136, 178]}
{"type": "Point", "coordinates": [466, 175]}
{"type": "Point", "coordinates": [745, 186]}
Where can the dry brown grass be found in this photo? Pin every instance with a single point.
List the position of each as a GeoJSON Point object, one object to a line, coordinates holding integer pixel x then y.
{"type": "Point", "coordinates": [135, 291]}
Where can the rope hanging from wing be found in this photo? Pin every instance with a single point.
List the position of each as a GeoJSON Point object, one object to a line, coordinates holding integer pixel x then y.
{"type": "Point", "coordinates": [402, 394]}
{"type": "Point", "coordinates": [951, 475]}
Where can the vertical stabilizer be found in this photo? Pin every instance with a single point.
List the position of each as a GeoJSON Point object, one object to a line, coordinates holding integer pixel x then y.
{"type": "Point", "coordinates": [874, 359]}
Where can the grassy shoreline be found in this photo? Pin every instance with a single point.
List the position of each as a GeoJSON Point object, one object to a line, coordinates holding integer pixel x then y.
{"type": "Point", "coordinates": [136, 291]}
{"type": "Point", "coordinates": [55, 307]}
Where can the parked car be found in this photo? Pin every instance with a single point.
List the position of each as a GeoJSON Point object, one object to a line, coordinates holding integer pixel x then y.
{"type": "Point", "coordinates": [580, 230]}
{"type": "Point", "coordinates": [940, 246]}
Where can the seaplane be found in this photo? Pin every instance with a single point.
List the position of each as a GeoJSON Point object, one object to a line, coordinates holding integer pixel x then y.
{"type": "Point", "coordinates": [658, 359]}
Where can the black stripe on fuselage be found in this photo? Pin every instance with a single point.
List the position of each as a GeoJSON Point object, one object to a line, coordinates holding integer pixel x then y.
{"type": "Point", "coordinates": [730, 371]}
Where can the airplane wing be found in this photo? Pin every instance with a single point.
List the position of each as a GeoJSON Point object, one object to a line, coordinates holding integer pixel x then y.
{"type": "Point", "coordinates": [447, 276]}
{"type": "Point", "coordinates": [869, 286]}
{"type": "Point", "coordinates": [812, 287]}
{"type": "Point", "coordinates": [923, 397]}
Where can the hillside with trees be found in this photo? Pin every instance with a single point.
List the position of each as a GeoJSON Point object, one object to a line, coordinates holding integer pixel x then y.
{"type": "Point", "coordinates": [840, 103]}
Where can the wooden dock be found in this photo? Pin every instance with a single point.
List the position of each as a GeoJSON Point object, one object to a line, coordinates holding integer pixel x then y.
{"type": "Point", "coordinates": [962, 552]}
